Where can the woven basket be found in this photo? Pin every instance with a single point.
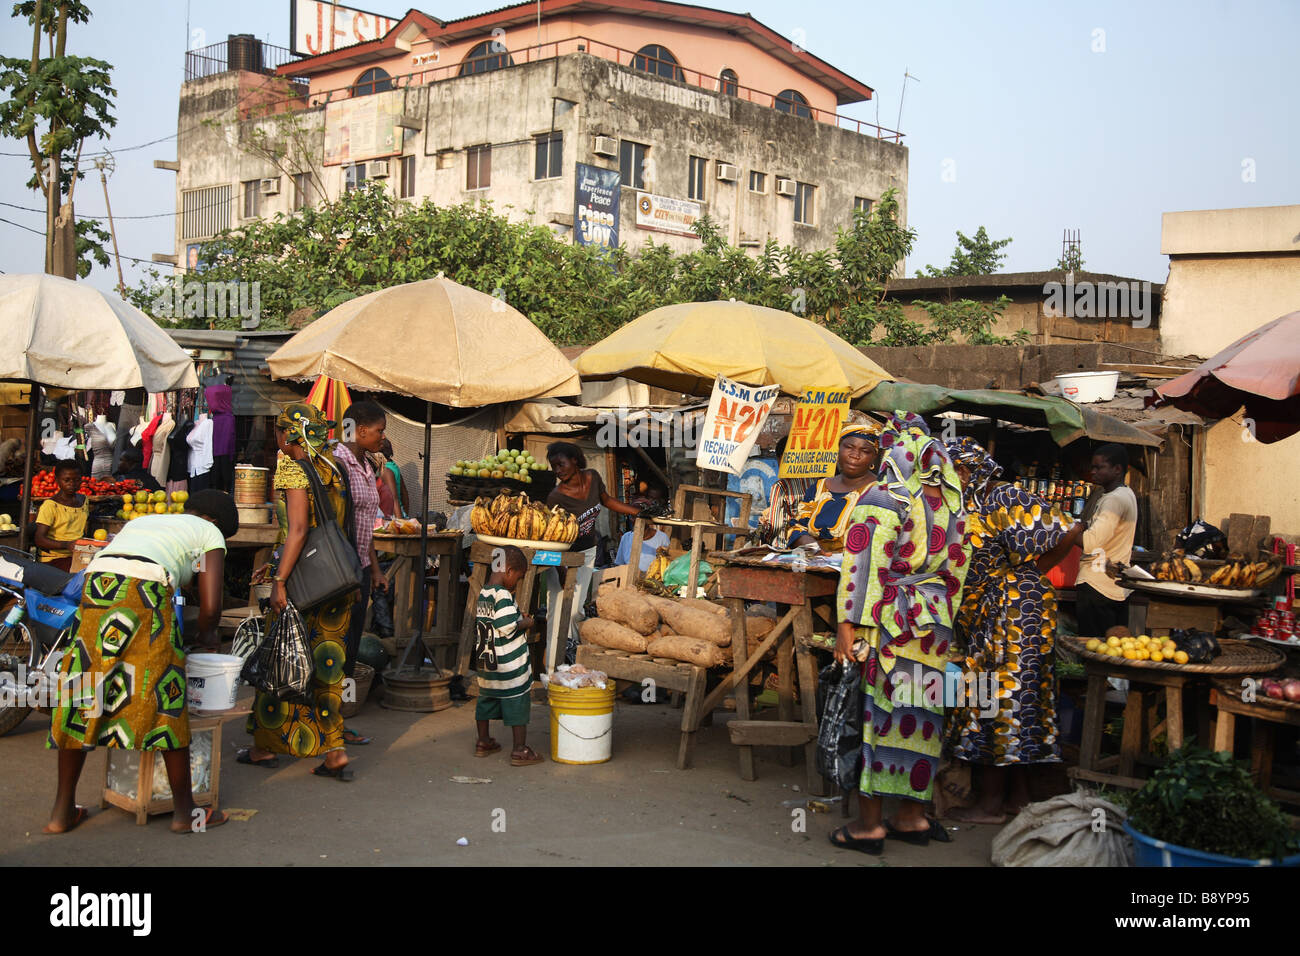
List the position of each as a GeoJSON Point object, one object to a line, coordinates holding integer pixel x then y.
{"type": "Point", "coordinates": [1237, 657]}
{"type": "Point", "coordinates": [364, 675]}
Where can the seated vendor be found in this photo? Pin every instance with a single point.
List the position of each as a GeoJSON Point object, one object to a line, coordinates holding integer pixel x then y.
{"type": "Point", "coordinates": [62, 519]}
{"type": "Point", "coordinates": [131, 467]}
{"type": "Point", "coordinates": [824, 513]}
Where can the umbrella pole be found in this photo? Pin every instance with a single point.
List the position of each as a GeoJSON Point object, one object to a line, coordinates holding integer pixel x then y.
{"type": "Point", "coordinates": [417, 641]}
{"type": "Point", "coordinates": [26, 503]}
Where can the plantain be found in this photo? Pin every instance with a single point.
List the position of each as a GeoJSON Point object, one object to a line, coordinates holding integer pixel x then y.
{"type": "Point", "coordinates": [1266, 575]}
{"type": "Point", "coordinates": [1220, 573]}
{"type": "Point", "coordinates": [571, 524]}
{"type": "Point", "coordinates": [1193, 569]}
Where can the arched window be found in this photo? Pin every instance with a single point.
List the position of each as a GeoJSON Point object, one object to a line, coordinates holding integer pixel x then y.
{"type": "Point", "coordinates": [792, 101]}
{"type": "Point", "coordinates": [372, 81]}
{"type": "Point", "coordinates": [728, 82]}
{"type": "Point", "coordinates": [487, 56]}
{"type": "Point", "coordinates": [657, 59]}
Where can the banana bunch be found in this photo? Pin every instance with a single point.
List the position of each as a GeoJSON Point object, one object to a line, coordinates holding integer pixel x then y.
{"type": "Point", "coordinates": [658, 566]}
{"type": "Point", "coordinates": [1240, 573]}
{"type": "Point", "coordinates": [514, 516]}
{"type": "Point", "coordinates": [1177, 566]}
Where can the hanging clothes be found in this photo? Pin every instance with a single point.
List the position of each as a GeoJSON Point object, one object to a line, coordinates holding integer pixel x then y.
{"type": "Point", "coordinates": [220, 401]}
{"type": "Point", "coordinates": [200, 441]}
{"type": "Point", "coordinates": [101, 452]}
{"type": "Point", "coordinates": [178, 467]}
{"type": "Point", "coordinates": [161, 451]}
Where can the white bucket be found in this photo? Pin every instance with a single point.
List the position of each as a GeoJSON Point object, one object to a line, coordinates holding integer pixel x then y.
{"type": "Point", "coordinates": [1085, 387]}
{"type": "Point", "coordinates": [212, 681]}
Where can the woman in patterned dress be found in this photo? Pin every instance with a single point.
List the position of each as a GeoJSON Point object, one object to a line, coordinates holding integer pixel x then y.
{"type": "Point", "coordinates": [286, 727]}
{"type": "Point", "coordinates": [905, 558]}
{"type": "Point", "coordinates": [827, 503]}
{"type": "Point", "coordinates": [1007, 621]}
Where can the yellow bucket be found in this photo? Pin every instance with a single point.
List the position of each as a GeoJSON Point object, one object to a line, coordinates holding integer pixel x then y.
{"type": "Point", "coordinates": [582, 723]}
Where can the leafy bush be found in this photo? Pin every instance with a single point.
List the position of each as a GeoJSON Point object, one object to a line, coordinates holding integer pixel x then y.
{"type": "Point", "coordinates": [1204, 800]}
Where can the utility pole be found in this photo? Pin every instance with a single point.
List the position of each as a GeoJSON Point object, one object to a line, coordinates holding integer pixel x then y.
{"type": "Point", "coordinates": [898, 127]}
{"type": "Point", "coordinates": [106, 164]}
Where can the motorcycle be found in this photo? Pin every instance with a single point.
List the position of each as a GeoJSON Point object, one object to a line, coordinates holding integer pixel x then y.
{"type": "Point", "coordinates": [36, 628]}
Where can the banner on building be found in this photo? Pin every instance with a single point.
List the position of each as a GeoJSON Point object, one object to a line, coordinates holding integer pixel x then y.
{"type": "Point", "coordinates": [318, 26]}
{"type": "Point", "coordinates": [812, 446]}
{"type": "Point", "coordinates": [665, 214]}
{"type": "Point", "coordinates": [362, 128]}
{"type": "Point", "coordinates": [731, 426]}
{"type": "Point", "coordinates": [595, 206]}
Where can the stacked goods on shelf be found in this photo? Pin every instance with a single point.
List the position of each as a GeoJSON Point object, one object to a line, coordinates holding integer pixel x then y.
{"type": "Point", "coordinates": [400, 526]}
{"type": "Point", "coordinates": [152, 503]}
{"type": "Point", "coordinates": [507, 471]}
{"type": "Point", "coordinates": [517, 518]}
{"type": "Point", "coordinates": [44, 486]}
{"type": "Point", "coordinates": [7, 525]}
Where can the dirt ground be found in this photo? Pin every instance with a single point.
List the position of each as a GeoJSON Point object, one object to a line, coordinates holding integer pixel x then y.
{"type": "Point", "coordinates": [404, 809]}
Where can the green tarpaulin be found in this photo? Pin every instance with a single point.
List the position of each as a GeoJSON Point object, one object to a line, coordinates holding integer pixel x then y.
{"type": "Point", "coordinates": [1065, 420]}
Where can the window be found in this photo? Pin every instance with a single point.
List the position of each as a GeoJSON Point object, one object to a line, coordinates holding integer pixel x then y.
{"type": "Point", "coordinates": [792, 101]}
{"type": "Point", "coordinates": [757, 182]}
{"type": "Point", "coordinates": [487, 56]}
{"type": "Point", "coordinates": [408, 177]}
{"type": "Point", "coordinates": [252, 193]}
{"type": "Point", "coordinates": [205, 212]}
{"type": "Point", "coordinates": [301, 190]}
{"type": "Point", "coordinates": [861, 205]}
{"type": "Point", "coordinates": [373, 80]}
{"type": "Point", "coordinates": [803, 203]}
{"type": "Point", "coordinates": [550, 156]}
{"type": "Point", "coordinates": [656, 59]}
{"type": "Point", "coordinates": [478, 167]}
{"type": "Point", "coordinates": [695, 186]}
{"type": "Point", "coordinates": [631, 163]}
{"type": "Point", "coordinates": [728, 82]}
{"type": "Point", "coordinates": [355, 177]}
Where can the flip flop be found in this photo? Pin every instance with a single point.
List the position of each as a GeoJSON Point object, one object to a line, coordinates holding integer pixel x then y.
{"type": "Point", "coordinates": [357, 740]}
{"type": "Point", "coordinates": [530, 757]}
{"type": "Point", "coordinates": [914, 837]}
{"type": "Point", "coordinates": [268, 763]}
{"type": "Point", "coordinates": [343, 774]}
{"type": "Point", "coordinates": [481, 751]}
{"type": "Point", "coordinates": [77, 820]}
{"type": "Point", "coordinates": [871, 847]}
{"type": "Point", "coordinates": [209, 816]}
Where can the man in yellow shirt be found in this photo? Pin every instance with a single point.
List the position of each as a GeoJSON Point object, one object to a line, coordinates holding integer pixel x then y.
{"type": "Point", "coordinates": [62, 519]}
{"type": "Point", "coordinates": [1107, 537]}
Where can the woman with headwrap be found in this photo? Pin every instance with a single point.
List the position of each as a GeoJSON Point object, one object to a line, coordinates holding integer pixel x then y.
{"type": "Point", "coordinates": [1008, 623]}
{"type": "Point", "coordinates": [904, 562]}
{"type": "Point", "coordinates": [824, 512]}
{"type": "Point", "coordinates": [297, 729]}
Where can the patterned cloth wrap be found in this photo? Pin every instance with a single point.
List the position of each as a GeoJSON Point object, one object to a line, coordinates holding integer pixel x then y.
{"type": "Point", "coordinates": [1007, 620]}
{"type": "Point", "coordinates": [905, 560]}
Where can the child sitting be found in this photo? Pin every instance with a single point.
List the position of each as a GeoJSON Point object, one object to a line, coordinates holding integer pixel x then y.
{"type": "Point", "coordinates": [505, 675]}
{"type": "Point", "coordinates": [62, 519]}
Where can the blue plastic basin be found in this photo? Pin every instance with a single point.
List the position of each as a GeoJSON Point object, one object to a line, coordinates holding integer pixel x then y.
{"type": "Point", "coordinates": [1149, 852]}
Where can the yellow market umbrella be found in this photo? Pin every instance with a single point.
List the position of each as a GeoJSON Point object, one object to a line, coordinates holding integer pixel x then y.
{"type": "Point", "coordinates": [332, 397]}
{"type": "Point", "coordinates": [684, 347]}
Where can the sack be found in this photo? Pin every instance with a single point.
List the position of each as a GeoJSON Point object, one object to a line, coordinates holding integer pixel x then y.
{"type": "Point", "coordinates": [328, 566]}
{"type": "Point", "coordinates": [679, 570]}
{"type": "Point", "coordinates": [839, 729]}
{"type": "Point", "coordinates": [1200, 539]}
{"type": "Point", "coordinates": [282, 665]}
{"type": "Point", "coordinates": [1074, 829]}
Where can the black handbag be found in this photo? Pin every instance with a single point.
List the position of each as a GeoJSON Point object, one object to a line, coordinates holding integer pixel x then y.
{"type": "Point", "coordinates": [328, 566]}
{"type": "Point", "coordinates": [282, 664]}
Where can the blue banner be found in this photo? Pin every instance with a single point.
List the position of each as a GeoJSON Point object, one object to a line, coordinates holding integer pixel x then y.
{"type": "Point", "coordinates": [547, 558]}
{"type": "Point", "coordinates": [595, 206]}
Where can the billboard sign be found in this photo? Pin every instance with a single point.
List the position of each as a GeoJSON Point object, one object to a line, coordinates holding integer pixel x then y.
{"type": "Point", "coordinates": [317, 26]}
{"type": "Point", "coordinates": [595, 206]}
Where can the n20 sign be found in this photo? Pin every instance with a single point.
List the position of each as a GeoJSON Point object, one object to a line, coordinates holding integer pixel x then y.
{"type": "Point", "coordinates": [812, 447]}
{"type": "Point", "coordinates": [736, 414]}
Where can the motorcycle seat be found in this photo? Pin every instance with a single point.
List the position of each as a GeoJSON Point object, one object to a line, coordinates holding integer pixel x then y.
{"type": "Point", "coordinates": [42, 577]}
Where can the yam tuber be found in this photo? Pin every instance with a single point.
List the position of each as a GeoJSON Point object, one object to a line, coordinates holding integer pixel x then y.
{"type": "Point", "coordinates": [629, 608]}
{"type": "Point", "coordinates": [689, 649]}
{"type": "Point", "coordinates": [611, 634]}
{"type": "Point", "coordinates": [757, 626]}
{"type": "Point", "coordinates": [688, 622]}
{"type": "Point", "coordinates": [702, 605]}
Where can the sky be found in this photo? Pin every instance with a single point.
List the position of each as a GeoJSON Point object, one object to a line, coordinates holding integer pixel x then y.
{"type": "Point", "coordinates": [1028, 118]}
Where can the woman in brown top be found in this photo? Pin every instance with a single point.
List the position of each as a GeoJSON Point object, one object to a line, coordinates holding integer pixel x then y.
{"type": "Point", "coordinates": [580, 490]}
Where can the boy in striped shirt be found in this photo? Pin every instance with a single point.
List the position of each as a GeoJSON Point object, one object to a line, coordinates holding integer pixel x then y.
{"type": "Point", "coordinates": [505, 693]}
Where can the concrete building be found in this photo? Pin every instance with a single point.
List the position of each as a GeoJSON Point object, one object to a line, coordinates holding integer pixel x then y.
{"type": "Point", "coordinates": [697, 111]}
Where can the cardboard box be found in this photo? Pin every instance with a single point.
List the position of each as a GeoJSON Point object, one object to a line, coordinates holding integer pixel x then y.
{"type": "Point", "coordinates": [83, 551]}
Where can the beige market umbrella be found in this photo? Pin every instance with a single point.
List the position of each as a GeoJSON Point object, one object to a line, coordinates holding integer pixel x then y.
{"type": "Point", "coordinates": [685, 347]}
{"type": "Point", "coordinates": [436, 340]}
{"type": "Point", "coordinates": [69, 335]}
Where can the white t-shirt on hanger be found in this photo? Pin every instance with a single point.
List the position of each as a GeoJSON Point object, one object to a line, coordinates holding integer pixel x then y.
{"type": "Point", "coordinates": [200, 441]}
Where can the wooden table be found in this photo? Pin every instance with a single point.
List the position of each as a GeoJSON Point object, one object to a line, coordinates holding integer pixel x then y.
{"type": "Point", "coordinates": [481, 555]}
{"type": "Point", "coordinates": [407, 581]}
{"type": "Point", "coordinates": [697, 529]}
{"type": "Point", "coordinates": [1226, 696]}
{"type": "Point", "coordinates": [742, 577]}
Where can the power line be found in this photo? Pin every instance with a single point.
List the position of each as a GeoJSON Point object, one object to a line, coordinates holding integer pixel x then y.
{"type": "Point", "coordinates": [123, 149]}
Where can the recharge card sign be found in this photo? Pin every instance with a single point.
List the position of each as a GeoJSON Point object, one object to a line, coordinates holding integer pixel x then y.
{"type": "Point", "coordinates": [812, 447]}
{"type": "Point", "coordinates": [736, 414]}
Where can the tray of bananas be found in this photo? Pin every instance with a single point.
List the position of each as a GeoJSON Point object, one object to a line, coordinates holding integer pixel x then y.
{"type": "Point", "coordinates": [513, 519]}
{"type": "Point", "coordinates": [1236, 579]}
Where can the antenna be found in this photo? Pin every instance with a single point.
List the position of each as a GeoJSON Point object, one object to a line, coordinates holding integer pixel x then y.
{"type": "Point", "coordinates": [107, 165]}
{"type": "Point", "coordinates": [898, 127]}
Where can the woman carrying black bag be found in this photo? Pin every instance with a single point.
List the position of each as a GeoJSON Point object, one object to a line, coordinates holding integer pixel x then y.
{"type": "Point", "coordinates": [301, 729]}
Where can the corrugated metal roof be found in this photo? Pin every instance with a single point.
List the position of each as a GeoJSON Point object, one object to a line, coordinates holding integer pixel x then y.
{"type": "Point", "coordinates": [253, 391]}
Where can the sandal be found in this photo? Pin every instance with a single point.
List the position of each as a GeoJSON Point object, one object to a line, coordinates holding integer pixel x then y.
{"type": "Point", "coordinates": [352, 737]}
{"type": "Point", "coordinates": [78, 819]}
{"type": "Point", "coordinates": [525, 758]}
{"type": "Point", "coordinates": [246, 756]}
{"type": "Point", "coordinates": [914, 837]}
{"type": "Point", "coordinates": [484, 751]}
{"type": "Point", "coordinates": [871, 847]}
{"type": "Point", "coordinates": [343, 774]}
{"type": "Point", "coordinates": [211, 819]}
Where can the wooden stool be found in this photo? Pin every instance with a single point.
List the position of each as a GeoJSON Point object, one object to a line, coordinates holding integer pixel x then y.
{"type": "Point", "coordinates": [671, 675]}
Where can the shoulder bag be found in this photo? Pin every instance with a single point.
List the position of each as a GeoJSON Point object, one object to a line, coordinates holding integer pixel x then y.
{"type": "Point", "coordinates": [328, 566]}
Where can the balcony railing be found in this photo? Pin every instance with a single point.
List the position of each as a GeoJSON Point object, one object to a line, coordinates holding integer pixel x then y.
{"type": "Point", "coordinates": [236, 53]}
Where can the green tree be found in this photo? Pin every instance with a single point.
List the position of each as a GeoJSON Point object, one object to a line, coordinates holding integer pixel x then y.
{"type": "Point", "coordinates": [1071, 260]}
{"type": "Point", "coordinates": [55, 103]}
{"type": "Point", "coordinates": [973, 256]}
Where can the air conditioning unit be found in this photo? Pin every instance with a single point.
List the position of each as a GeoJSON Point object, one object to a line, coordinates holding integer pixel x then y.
{"type": "Point", "coordinates": [785, 187]}
{"type": "Point", "coordinates": [271, 187]}
{"type": "Point", "coordinates": [606, 146]}
{"type": "Point", "coordinates": [377, 169]}
{"type": "Point", "coordinates": [727, 172]}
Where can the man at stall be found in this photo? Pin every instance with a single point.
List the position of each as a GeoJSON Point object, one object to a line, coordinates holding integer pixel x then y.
{"type": "Point", "coordinates": [130, 467]}
{"type": "Point", "coordinates": [62, 519]}
{"type": "Point", "coordinates": [1107, 539]}
{"type": "Point", "coordinates": [823, 517]}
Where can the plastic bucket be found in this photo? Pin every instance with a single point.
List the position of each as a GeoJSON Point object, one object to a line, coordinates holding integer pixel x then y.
{"type": "Point", "coordinates": [1149, 852]}
{"type": "Point", "coordinates": [1084, 387]}
{"type": "Point", "coordinates": [582, 723]}
{"type": "Point", "coordinates": [212, 681]}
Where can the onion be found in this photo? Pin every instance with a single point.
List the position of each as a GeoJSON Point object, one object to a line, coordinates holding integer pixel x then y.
{"type": "Point", "coordinates": [1291, 689]}
{"type": "Point", "coordinates": [1275, 691]}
